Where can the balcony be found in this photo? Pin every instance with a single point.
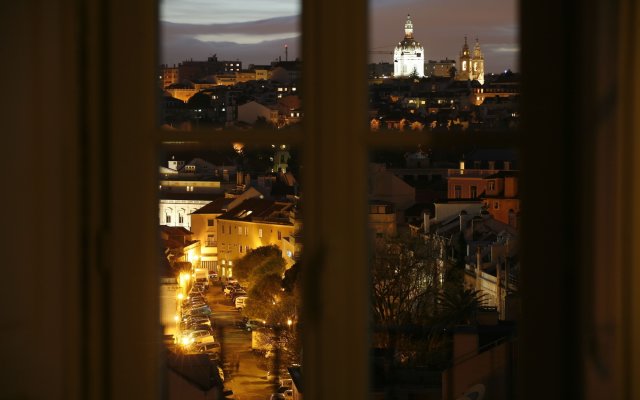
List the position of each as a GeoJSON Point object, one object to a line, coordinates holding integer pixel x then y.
{"type": "Point", "coordinates": [470, 173]}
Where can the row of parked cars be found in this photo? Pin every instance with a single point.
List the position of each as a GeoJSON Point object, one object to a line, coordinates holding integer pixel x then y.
{"type": "Point", "coordinates": [237, 293]}
{"type": "Point", "coordinates": [196, 326]}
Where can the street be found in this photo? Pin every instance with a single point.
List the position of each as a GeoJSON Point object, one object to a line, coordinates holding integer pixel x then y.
{"type": "Point", "coordinates": [249, 381]}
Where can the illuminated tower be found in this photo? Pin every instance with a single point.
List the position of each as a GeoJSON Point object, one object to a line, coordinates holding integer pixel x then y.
{"type": "Point", "coordinates": [408, 56]}
{"type": "Point", "coordinates": [471, 65]}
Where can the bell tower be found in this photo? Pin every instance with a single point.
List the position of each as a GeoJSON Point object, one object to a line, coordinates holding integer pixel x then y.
{"type": "Point", "coordinates": [471, 65]}
{"type": "Point", "coordinates": [465, 63]}
{"type": "Point", "coordinates": [408, 28]}
{"type": "Point", "coordinates": [477, 64]}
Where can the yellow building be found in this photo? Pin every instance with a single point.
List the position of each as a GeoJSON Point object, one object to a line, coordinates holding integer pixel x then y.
{"type": "Point", "coordinates": [255, 222]}
{"type": "Point", "coordinates": [204, 225]}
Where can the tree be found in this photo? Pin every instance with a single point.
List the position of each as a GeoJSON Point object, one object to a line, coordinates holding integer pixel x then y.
{"type": "Point", "coordinates": [414, 74]}
{"type": "Point", "coordinates": [459, 305]}
{"type": "Point", "coordinates": [406, 277]}
{"type": "Point", "coordinates": [256, 260]}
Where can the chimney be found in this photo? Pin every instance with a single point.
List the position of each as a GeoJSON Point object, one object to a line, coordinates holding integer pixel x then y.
{"type": "Point", "coordinates": [426, 222]}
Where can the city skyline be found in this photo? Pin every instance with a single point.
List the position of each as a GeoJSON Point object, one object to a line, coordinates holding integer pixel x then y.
{"type": "Point", "coordinates": [194, 30]}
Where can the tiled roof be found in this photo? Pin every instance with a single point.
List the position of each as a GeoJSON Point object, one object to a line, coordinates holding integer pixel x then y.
{"type": "Point", "coordinates": [258, 209]}
{"type": "Point", "coordinates": [217, 206]}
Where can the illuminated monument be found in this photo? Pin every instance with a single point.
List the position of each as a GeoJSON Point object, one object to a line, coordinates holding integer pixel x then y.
{"type": "Point", "coordinates": [471, 66]}
{"type": "Point", "coordinates": [408, 55]}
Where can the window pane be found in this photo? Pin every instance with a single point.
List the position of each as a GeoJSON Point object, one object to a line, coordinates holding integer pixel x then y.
{"type": "Point", "coordinates": [448, 68]}
{"type": "Point", "coordinates": [230, 65]}
{"type": "Point", "coordinates": [444, 271]}
{"type": "Point", "coordinates": [444, 217]}
{"type": "Point", "coordinates": [230, 230]}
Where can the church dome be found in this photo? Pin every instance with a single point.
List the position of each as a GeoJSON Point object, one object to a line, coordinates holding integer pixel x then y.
{"type": "Point", "coordinates": [408, 54]}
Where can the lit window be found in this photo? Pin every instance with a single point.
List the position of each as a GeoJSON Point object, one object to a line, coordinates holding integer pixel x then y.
{"type": "Point", "coordinates": [260, 232]}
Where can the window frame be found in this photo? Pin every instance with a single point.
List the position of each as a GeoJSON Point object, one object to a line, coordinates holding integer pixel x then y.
{"type": "Point", "coordinates": [331, 355]}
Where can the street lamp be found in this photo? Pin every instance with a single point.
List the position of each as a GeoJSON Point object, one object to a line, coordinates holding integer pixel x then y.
{"type": "Point", "coordinates": [289, 322]}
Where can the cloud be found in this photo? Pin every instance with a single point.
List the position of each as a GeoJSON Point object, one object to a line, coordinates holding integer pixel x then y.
{"type": "Point", "coordinates": [278, 25]}
{"type": "Point", "coordinates": [178, 49]}
{"type": "Point", "coordinates": [224, 11]}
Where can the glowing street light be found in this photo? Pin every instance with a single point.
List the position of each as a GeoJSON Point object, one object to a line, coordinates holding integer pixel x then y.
{"type": "Point", "coordinates": [289, 322]}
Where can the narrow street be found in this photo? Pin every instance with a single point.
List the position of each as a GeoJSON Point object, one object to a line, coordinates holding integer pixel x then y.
{"type": "Point", "coordinates": [249, 381]}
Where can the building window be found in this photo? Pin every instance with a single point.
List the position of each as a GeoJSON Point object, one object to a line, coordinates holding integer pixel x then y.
{"type": "Point", "coordinates": [260, 232]}
{"type": "Point", "coordinates": [167, 219]}
{"type": "Point", "coordinates": [496, 205]}
{"type": "Point", "coordinates": [246, 231]}
{"type": "Point", "coordinates": [491, 185]}
{"type": "Point", "coordinates": [210, 222]}
{"type": "Point", "coordinates": [180, 219]}
{"type": "Point", "coordinates": [473, 192]}
{"type": "Point", "coordinates": [240, 248]}
{"type": "Point", "coordinates": [457, 192]}
{"type": "Point", "coordinates": [279, 235]}
{"type": "Point", "coordinates": [211, 242]}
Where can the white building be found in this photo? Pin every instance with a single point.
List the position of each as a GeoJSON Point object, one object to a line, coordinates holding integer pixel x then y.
{"type": "Point", "coordinates": [408, 56]}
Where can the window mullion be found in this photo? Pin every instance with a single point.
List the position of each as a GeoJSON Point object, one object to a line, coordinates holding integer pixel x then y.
{"type": "Point", "coordinates": [336, 304]}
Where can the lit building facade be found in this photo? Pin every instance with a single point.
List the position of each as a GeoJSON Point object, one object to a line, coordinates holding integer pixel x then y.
{"type": "Point", "coordinates": [408, 56]}
{"type": "Point", "coordinates": [471, 64]}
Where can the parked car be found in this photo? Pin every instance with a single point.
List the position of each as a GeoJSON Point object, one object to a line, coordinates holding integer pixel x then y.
{"type": "Point", "coordinates": [199, 327]}
{"type": "Point", "coordinates": [237, 293]}
{"type": "Point", "coordinates": [210, 348]}
{"type": "Point", "coordinates": [240, 302]}
{"type": "Point", "coordinates": [254, 324]}
{"type": "Point", "coordinates": [200, 311]}
{"type": "Point", "coordinates": [200, 320]}
{"type": "Point", "coordinates": [201, 336]}
{"type": "Point", "coordinates": [195, 304]}
{"type": "Point", "coordinates": [227, 290]}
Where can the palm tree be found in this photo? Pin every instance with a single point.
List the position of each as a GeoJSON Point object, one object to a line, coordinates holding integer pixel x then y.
{"type": "Point", "coordinates": [459, 305]}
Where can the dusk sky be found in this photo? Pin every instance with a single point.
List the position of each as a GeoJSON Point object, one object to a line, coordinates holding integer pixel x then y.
{"type": "Point", "coordinates": [255, 31]}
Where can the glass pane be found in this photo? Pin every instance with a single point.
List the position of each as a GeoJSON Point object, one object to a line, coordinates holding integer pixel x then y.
{"type": "Point", "coordinates": [444, 272]}
{"type": "Point", "coordinates": [230, 230]}
{"type": "Point", "coordinates": [447, 68]}
{"type": "Point", "coordinates": [230, 65]}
